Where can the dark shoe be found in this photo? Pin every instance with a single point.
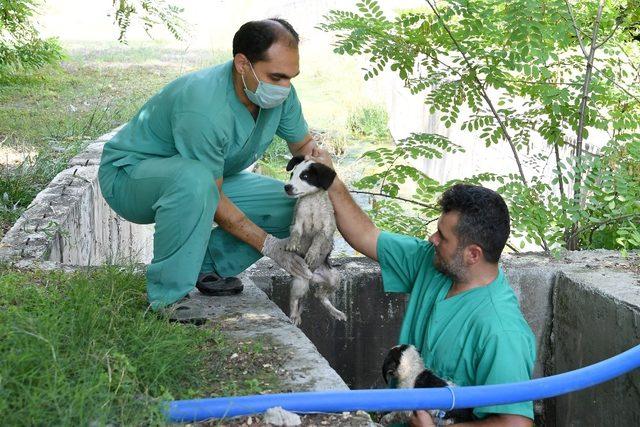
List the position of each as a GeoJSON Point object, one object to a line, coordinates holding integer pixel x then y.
{"type": "Point", "coordinates": [185, 311]}
{"type": "Point", "coordinates": [212, 284]}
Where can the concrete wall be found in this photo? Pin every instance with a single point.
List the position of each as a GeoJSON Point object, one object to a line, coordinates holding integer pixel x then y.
{"type": "Point", "coordinates": [356, 348]}
{"type": "Point", "coordinates": [583, 308]}
{"type": "Point", "coordinates": [69, 222]}
{"type": "Point", "coordinates": [596, 315]}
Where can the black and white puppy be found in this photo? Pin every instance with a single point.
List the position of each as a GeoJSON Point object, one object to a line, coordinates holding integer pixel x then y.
{"type": "Point", "coordinates": [404, 364]}
{"type": "Point", "coordinates": [312, 231]}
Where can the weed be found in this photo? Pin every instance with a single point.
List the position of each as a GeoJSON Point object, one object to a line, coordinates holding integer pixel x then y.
{"type": "Point", "coordinates": [369, 121]}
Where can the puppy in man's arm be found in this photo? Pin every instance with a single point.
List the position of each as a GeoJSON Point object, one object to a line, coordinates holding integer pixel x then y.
{"type": "Point", "coordinates": [404, 364]}
{"type": "Point", "coordinates": [312, 233]}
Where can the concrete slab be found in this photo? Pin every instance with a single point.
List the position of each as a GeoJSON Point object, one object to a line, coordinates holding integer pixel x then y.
{"type": "Point", "coordinates": [251, 315]}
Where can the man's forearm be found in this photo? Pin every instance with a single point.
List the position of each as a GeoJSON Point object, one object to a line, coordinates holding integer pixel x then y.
{"type": "Point", "coordinates": [500, 421]}
{"type": "Point", "coordinates": [423, 419]}
{"type": "Point", "coordinates": [232, 220]}
{"type": "Point", "coordinates": [303, 147]}
{"type": "Point", "coordinates": [354, 225]}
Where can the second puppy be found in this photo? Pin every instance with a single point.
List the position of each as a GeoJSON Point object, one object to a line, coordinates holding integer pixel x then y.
{"type": "Point", "coordinates": [404, 364]}
{"type": "Point", "coordinates": [312, 231]}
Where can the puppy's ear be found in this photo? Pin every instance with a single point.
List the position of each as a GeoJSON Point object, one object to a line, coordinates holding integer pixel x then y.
{"type": "Point", "coordinates": [294, 161]}
{"type": "Point", "coordinates": [324, 175]}
{"type": "Point", "coordinates": [391, 363]}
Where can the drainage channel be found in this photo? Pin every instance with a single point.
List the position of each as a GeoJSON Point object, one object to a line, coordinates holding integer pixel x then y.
{"type": "Point", "coordinates": [583, 307]}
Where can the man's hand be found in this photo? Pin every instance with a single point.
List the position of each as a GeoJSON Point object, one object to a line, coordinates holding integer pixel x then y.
{"type": "Point", "coordinates": [275, 249]}
{"type": "Point", "coordinates": [321, 156]}
{"type": "Point", "coordinates": [354, 225]}
{"type": "Point", "coordinates": [421, 419]}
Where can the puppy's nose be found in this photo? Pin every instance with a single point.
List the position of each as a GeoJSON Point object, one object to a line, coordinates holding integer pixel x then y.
{"type": "Point", "coordinates": [288, 188]}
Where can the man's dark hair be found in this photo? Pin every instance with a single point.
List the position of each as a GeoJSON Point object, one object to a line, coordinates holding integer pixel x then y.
{"type": "Point", "coordinates": [254, 38]}
{"type": "Point", "coordinates": [484, 218]}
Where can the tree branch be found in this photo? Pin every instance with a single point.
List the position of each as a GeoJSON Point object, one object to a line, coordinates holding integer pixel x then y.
{"type": "Point", "coordinates": [424, 205]}
{"type": "Point", "coordinates": [558, 171]}
{"type": "Point", "coordinates": [513, 248]}
{"type": "Point", "coordinates": [622, 88]}
{"type": "Point", "coordinates": [606, 39]}
{"type": "Point", "coordinates": [577, 182]}
{"type": "Point", "coordinates": [577, 30]}
{"type": "Point", "coordinates": [483, 93]}
{"type": "Point", "coordinates": [599, 224]}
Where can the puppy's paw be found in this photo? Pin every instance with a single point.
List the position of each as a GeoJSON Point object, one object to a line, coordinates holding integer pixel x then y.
{"type": "Point", "coordinates": [340, 316]}
{"type": "Point", "coordinates": [296, 319]}
{"type": "Point", "coordinates": [293, 245]}
{"type": "Point", "coordinates": [312, 259]}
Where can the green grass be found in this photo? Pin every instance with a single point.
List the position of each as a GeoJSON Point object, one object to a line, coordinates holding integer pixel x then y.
{"type": "Point", "coordinates": [57, 110]}
{"type": "Point", "coordinates": [82, 348]}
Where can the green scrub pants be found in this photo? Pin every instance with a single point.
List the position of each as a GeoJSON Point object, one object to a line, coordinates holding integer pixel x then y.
{"type": "Point", "coordinates": [180, 196]}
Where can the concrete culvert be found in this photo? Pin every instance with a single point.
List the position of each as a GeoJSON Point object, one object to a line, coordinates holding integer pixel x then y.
{"type": "Point", "coordinates": [583, 307]}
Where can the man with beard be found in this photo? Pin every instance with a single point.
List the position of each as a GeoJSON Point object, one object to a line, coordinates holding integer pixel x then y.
{"type": "Point", "coordinates": [461, 315]}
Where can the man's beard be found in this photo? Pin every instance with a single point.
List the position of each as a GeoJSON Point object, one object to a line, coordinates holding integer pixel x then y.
{"type": "Point", "coordinates": [455, 269]}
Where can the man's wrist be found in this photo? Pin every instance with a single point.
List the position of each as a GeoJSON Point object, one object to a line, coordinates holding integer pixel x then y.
{"type": "Point", "coordinates": [337, 186]}
{"type": "Point", "coordinates": [268, 241]}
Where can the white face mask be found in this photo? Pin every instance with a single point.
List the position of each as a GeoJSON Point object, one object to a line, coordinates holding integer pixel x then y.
{"type": "Point", "coordinates": [267, 95]}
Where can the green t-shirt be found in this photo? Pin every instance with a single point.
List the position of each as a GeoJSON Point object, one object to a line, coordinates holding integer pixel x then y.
{"type": "Point", "coordinates": [199, 116]}
{"type": "Point", "coordinates": [477, 337]}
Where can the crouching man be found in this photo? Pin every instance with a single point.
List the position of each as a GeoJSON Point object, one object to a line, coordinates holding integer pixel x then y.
{"type": "Point", "coordinates": [462, 315]}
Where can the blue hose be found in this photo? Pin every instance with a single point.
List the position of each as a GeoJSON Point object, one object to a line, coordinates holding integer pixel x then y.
{"type": "Point", "coordinates": [407, 399]}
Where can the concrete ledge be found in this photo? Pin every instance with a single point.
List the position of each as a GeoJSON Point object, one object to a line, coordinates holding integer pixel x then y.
{"type": "Point", "coordinates": [69, 222]}
{"type": "Point", "coordinates": [251, 315]}
{"type": "Point", "coordinates": [596, 315]}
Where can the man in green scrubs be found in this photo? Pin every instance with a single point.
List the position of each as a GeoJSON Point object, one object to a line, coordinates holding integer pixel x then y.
{"type": "Point", "coordinates": [462, 315]}
{"type": "Point", "coordinates": [182, 159]}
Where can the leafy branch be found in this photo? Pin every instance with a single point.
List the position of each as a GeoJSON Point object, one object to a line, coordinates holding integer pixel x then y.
{"type": "Point", "coordinates": [483, 91]}
{"type": "Point", "coordinates": [519, 67]}
{"type": "Point", "coordinates": [572, 244]}
{"type": "Point", "coordinates": [150, 13]}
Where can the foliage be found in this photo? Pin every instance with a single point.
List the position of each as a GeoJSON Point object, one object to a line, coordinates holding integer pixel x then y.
{"type": "Point", "coordinates": [22, 47]}
{"type": "Point", "coordinates": [525, 70]}
{"type": "Point", "coordinates": [20, 44]}
{"type": "Point", "coordinates": [150, 13]}
{"type": "Point", "coordinates": [369, 121]}
{"type": "Point", "coordinates": [274, 161]}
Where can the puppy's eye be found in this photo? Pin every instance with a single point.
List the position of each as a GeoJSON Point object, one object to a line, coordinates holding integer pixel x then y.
{"type": "Point", "coordinates": [291, 176]}
{"type": "Point", "coordinates": [304, 175]}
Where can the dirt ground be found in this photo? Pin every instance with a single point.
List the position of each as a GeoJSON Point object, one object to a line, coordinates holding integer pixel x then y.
{"type": "Point", "coordinates": [346, 419]}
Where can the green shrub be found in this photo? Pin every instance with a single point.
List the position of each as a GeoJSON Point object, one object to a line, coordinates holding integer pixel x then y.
{"type": "Point", "coordinates": [369, 121]}
{"type": "Point", "coordinates": [20, 44]}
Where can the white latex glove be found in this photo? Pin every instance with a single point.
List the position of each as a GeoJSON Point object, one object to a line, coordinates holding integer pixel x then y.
{"type": "Point", "coordinates": [274, 248]}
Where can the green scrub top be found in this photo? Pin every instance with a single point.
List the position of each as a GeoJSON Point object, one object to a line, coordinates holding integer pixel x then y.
{"type": "Point", "coordinates": [199, 116]}
{"type": "Point", "coordinates": [477, 337]}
